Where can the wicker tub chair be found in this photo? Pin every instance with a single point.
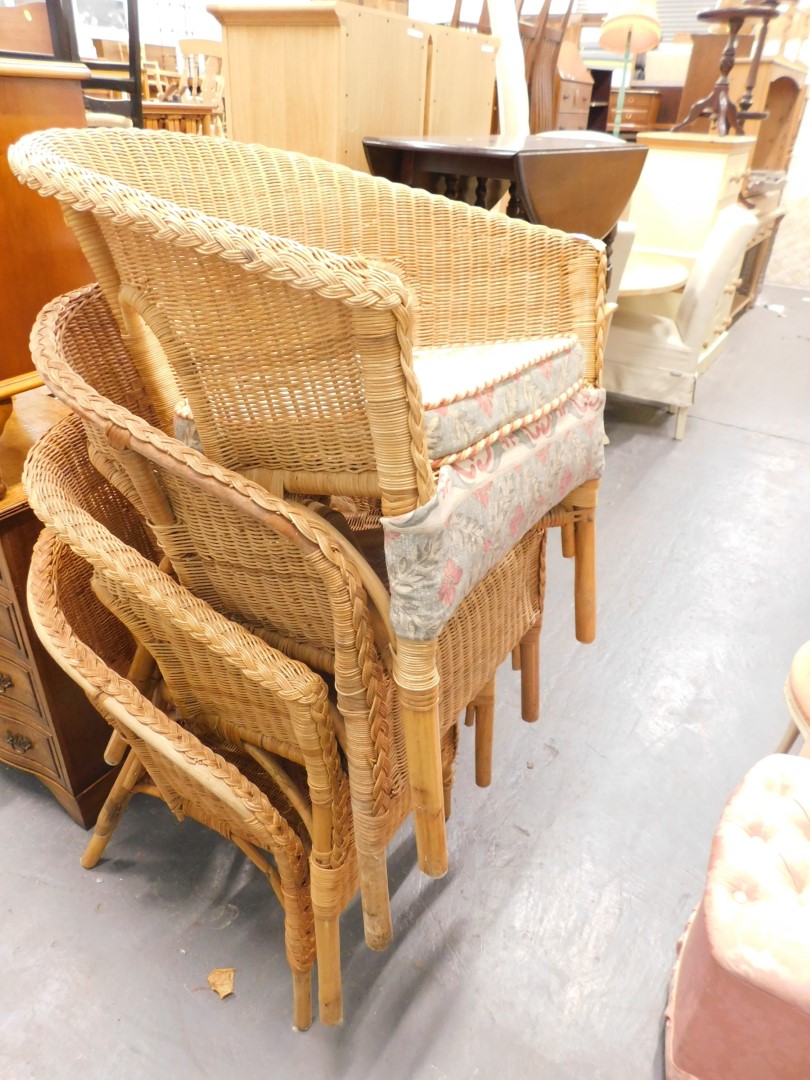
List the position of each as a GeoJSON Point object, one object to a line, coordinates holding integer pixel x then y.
{"type": "Point", "coordinates": [226, 684]}
{"type": "Point", "coordinates": [170, 762]}
{"type": "Point", "coordinates": [337, 335]}
{"type": "Point", "coordinates": [279, 567]}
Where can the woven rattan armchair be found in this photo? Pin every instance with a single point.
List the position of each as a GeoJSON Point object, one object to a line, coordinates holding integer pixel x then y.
{"type": "Point", "coordinates": [169, 761]}
{"type": "Point", "coordinates": [337, 335]}
{"type": "Point", "coordinates": [225, 683]}
{"type": "Point", "coordinates": [278, 566]}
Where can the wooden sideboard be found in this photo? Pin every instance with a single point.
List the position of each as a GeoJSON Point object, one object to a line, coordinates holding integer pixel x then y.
{"type": "Point", "coordinates": [47, 725]}
{"type": "Point", "coordinates": [318, 77]}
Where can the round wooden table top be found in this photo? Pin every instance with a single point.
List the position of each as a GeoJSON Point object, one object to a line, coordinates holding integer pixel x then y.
{"type": "Point", "coordinates": [648, 272]}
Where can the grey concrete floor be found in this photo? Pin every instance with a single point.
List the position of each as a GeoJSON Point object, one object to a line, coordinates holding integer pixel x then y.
{"type": "Point", "coordinates": [546, 951]}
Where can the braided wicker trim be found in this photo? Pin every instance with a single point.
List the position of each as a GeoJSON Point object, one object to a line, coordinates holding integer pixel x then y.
{"type": "Point", "coordinates": [507, 429]}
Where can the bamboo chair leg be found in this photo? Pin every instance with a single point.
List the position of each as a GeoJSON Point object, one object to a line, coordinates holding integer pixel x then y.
{"type": "Point", "coordinates": [418, 682]}
{"type": "Point", "coordinates": [516, 658]}
{"type": "Point", "coordinates": [302, 999]}
{"type": "Point", "coordinates": [788, 739]}
{"type": "Point", "coordinates": [447, 792]}
{"type": "Point", "coordinates": [114, 806]}
{"type": "Point", "coordinates": [469, 715]}
{"type": "Point", "coordinates": [141, 673]}
{"type": "Point", "coordinates": [484, 727]}
{"type": "Point", "coordinates": [373, 873]}
{"type": "Point", "coordinates": [115, 749]}
{"type": "Point", "coordinates": [530, 675]}
{"type": "Point", "coordinates": [583, 500]}
{"type": "Point", "coordinates": [567, 539]}
{"type": "Point", "coordinates": [330, 989]}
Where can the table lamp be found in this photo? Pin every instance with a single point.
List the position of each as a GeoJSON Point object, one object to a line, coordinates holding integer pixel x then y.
{"type": "Point", "coordinates": [632, 28]}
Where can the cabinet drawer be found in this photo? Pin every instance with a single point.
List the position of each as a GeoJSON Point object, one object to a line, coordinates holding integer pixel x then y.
{"type": "Point", "coordinates": [16, 684]}
{"type": "Point", "coordinates": [26, 746]}
{"type": "Point", "coordinates": [9, 627]}
{"type": "Point", "coordinates": [733, 178]}
{"type": "Point", "coordinates": [572, 120]}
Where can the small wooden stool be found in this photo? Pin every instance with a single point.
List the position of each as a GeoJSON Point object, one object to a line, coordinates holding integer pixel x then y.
{"type": "Point", "coordinates": [739, 1004]}
{"type": "Point", "coordinates": [797, 695]}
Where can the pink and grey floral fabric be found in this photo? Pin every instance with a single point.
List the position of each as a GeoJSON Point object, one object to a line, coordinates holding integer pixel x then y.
{"type": "Point", "coordinates": [513, 429]}
{"type": "Point", "coordinates": [483, 506]}
{"type": "Point", "coordinates": [470, 392]}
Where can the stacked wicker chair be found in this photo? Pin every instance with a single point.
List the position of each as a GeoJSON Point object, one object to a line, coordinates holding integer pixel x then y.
{"type": "Point", "coordinates": [286, 572]}
{"type": "Point", "coordinates": [321, 324]}
{"type": "Point", "coordinates": [269, 716]}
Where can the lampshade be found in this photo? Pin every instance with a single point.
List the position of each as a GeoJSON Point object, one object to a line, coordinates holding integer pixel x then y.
{"type": "Point", "coordinates": [640, 19]}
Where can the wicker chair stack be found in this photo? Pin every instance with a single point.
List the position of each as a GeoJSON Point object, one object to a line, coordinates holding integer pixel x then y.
{"type": "Point", "coordinates": [344, 414]}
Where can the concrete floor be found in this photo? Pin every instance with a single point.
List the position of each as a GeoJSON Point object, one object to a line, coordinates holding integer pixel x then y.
{"type": "Point", "coordinates": [546, 951]}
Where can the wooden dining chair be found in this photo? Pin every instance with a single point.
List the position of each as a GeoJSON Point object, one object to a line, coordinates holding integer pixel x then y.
{"type": "Point", "coordinates": [227, 685]}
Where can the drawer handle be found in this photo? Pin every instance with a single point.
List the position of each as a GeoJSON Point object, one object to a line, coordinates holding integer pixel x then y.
{"type": "Point", "coordinates": [19, 743]}
{"type": "Point", "coordinates": [6, 682]}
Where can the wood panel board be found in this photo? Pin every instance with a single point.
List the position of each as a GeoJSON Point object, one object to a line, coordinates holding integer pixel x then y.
{"type": "Point", "coordinates": [461, 82]}
{"type": "Point", "coordinates": [385, 77]}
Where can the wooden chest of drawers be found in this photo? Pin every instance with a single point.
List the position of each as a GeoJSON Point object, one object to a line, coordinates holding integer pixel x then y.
{"type": "Point", "coordinates": [639, 113]}
{"type": "Point", "coordinates": [47, 726]}
{"type": "Point", "coordinates": [573, 105]}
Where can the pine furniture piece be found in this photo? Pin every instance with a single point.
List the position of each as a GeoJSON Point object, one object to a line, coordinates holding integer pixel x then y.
{"type": "Point", "coordinates": [190, 117]}
{"type": "Point", "coordinates": [739, 1004]}
{"type": "Point", "coordinates": [335, 71]}
{"type": "Point", "coordinates": [241, 697]}
{"type": "Point", "coordinates": [573, 88]}
{"type": "Point", "coordinates": [47, 726]}
{"type": "Point", "coordinates": [41, 257]}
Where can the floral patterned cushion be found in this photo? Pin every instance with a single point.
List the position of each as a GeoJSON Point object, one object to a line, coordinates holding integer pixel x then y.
{"type": "Point", "coordinates": [476, 393]}
{"type": "Point", "coordinates": [483, 506]}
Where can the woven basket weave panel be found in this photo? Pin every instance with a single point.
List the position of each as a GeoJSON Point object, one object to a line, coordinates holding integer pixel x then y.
{"type": "Point", "coordinates": [271, 372]}
{"type": "Point", "coordinates": [188, 774]}
{"type": "Point", "coordinates": [96, 626]}
{"type": "Point", "coordinates": [225, 683]}
{"type": "Point", "coordinates": [203, 683]}
{"type": "Point", "coordinates": [243, 569]}
{"type": "Point", "coordinates": [94, 349]}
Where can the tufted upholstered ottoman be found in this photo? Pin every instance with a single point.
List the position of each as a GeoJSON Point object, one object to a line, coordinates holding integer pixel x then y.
{"type": "Point", "coordinates": [739, 1005]}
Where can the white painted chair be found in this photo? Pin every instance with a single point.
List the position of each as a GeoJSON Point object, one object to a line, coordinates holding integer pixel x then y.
{"type": "Point", "coordinates": [659, 346]}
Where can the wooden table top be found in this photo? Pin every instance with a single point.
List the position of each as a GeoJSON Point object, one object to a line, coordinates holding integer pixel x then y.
{"type": "Point", "coordinates": [647, 273]}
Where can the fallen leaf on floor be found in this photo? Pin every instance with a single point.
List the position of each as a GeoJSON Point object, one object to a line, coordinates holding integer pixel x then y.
{"type": "Point", "coordinates": [221, 981]}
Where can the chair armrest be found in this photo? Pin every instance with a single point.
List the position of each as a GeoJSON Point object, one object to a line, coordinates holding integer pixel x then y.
{"type": "Point", "coordinates": [478, 276]}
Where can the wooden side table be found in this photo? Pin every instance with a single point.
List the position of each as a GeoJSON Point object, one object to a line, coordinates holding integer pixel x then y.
{"type": "Point", "coordinates": [47, 725]}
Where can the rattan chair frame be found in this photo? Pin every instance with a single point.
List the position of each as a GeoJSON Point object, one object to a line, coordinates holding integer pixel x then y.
{"type": "Point", "coordinates": [224, 681]}
{"type": "Point", "coordinates": [269, 252]}
{"type": "Point", "coordinates": [320, 583]}
{"type": "Point", "coordinates": [169, 761]}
